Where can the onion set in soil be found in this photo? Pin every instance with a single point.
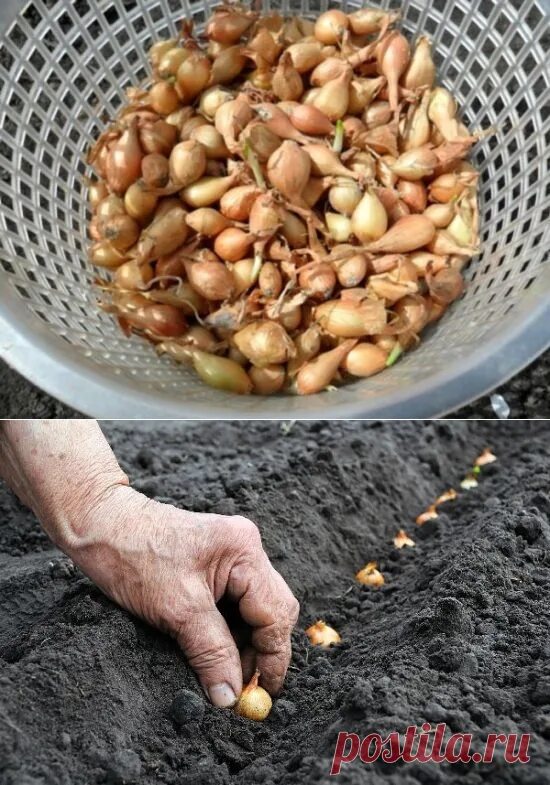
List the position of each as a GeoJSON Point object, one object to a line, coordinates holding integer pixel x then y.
{"type": "Point", "coordinates": [297, 190]}
{"type": "Point", "coordinates": [320, 634]}
{"type": "Point", "coordinates": [402, 540]}
{"type": "Point", "coordinates": [370, 575]}
{"type": "Point", "coordinates": [255, 702]}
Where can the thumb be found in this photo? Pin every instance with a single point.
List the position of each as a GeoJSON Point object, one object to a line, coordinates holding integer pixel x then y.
{"type": "Point", "coordinates": [210, 649]}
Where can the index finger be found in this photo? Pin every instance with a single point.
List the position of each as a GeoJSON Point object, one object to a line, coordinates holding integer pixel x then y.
{"type": "Point", "coordinates": [268, 605]}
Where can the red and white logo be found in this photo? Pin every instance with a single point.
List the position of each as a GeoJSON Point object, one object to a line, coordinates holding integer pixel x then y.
{"type": "Point", "coordinates": [425, 744]}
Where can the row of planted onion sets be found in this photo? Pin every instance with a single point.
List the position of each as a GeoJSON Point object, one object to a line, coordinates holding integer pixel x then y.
{"type": "Point", "coordinates": [320, 633]}
{"type": "Point", "coordinates": [288, 203]}
{"type": "Point", "coordinates": [255, 703]}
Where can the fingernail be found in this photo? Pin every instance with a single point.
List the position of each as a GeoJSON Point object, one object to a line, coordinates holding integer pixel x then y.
{"type": "Point", "coordinates": [222, 696]}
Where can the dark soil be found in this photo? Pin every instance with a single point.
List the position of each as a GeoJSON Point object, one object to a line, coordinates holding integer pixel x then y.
{"type": "Point", "coordinates": [459, 634]}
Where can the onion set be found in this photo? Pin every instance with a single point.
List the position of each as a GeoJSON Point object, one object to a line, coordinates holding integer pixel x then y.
{"type": "Point", "coordinates": [320, 634]}
{"type": "Point", "coordinates": [285, 204]}
{"type": "Point", "coordinates": [255, 702]}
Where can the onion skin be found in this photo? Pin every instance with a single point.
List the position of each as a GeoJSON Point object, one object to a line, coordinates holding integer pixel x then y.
{"type": "Point", "coordinates": [349, 319]}
{"type": "Point", "coordinates": [109, 207]}
{"type": "Point", "coordinates": [415, 164]}
{"type": "Point", "coordinates": [288, 170]}
{"type": "Point", "coordinates": [308, 345]}
{"type": "Point", "coordinates": [330, 26]}
{"type": "Point", "coordinates": [310, 120]}
{"type": "Point", "coordinates": [352, 271]}
{"type": "Point", "coordinates": [159, 49]}
{"type": "Point", "coordinates": [339, 227]}
{"type": "Point", "coordinates": [163, 236]}
{"type": "Point", "coordinates": [171, 60]}
{"type": "Point", "coordinates": [329, 69]}
{"type": "Point", "coordinates": [232, 244]}
{"type": "Point", "coordinates": [305, 55]}
{"type": "Point", "coordinates": [236, 203]}
{"type": "Point", "coordinates": [378, 113]}
{"type": "Point", "coordinates": [270, 280]}
{"type": "Point", "coordinates": [212, 141]}
{"type": "Point", "coordinates": [121, 231]}
{"type": "Point", "coordinates": [369, 220]}
{"type": "Point", "coordinates": [221, 373]}
{"type": "Point", "coordinates": [123, 165]}
{"type": "Point", "coordinates": [325, 162]}
{"type": "Point", "coordinates": [317, 374]}
{"type": "Point", "coordinates": [293, 229]}
{"type": "Point", "coordinates": [362, 92]}
{"type": "Point", "coordinates": [370, 576]}
{"type": "Point", "coordinates": [210, 278]}
{"type": "Point", "coordinates": [265, 44]}
{"type": "Point", "coordinates": [140, 203]}
{"type": "Point", "coordinates": [207, 221]}
{"type": "Point", "coordinates": [187, 162]}
{"type": "Point", "coordinates": [264, 343]}
{"type": "Point", "coordinates": [345, 195]}
{"type": "Point", "coordinates": [103, 254]}
{"type": "Point", "coordinates": [262, 141]}
{"type": "Point", "coordinates": [212, 99]}
{"type": "Point", "coordinates": [291, 319]}
{"type": "Point", "coordinates": [445, 188]}
{"type": "Point", "coordinates": [157, 319]}
{"type": "Point", "coordinates": [393, 59]}
{"type": "Point", "coordinates": [413, 194]}
{"type": "Point", "coordinates": [315, 188]}
{"type": "Point", "coordinates": [193, 75]}
{"type": "Point", "coordinates": [440, 215]}
{"type": "Point", "coordinates": [227, 26]}
{"type": "Point", "coordinates": [287, 83]}
{"type": "Point", "coordinates": [407, 234]}
{"type": "Point", "coordinates": [159, 137]}
{"type": "Point", "coordinates": [278, 122]}
{"type": "Point", "coordinates": [414, 310]}
{"type": "Point", "coordinates": [418, 128]}
{"type": "Point", "coordinates": [163, 98]}
{"type": "Point", "coordinates": [421, 71]}
{"type": "Point", "coordinates": [96, 192]}
{"type": "Point", "coordinates": [207, 190]}
{"type": "Point", "coordinates": [318, 281]}
{"type": "Point", "coordinates": [320, 634]}
{"type": "Point", "coordinates": [445, 286]}
{"type": "Point", "coordinates": [133, 276]}
{"type": "Point", "coordinates": [155, 170]}
{"type": "Point", "coordinates": [333, 98]}
{"type": "Point", "coordinates": [255, 702]}
{"type": "Point", "coordinates": [365, 359]}
{"type": "Point", "coordinates": [227, 65]}
{"type": "Point", "coordinates": [268, 380]}
{"type": "Point", "coordinates": [190, 125]}
{"type": "Point", "coordinates": [367, 20]}
{"type": "Point", "coordinates": [182, 296]}
{"type": "Point", "coordinates": [242, 275]}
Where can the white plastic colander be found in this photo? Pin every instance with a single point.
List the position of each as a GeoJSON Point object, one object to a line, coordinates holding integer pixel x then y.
{"type": "Point", "coordinates": [64, 65]}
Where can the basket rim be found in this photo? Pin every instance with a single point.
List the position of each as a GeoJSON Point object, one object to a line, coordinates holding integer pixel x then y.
{"type": "Point", "coordinates": [45, 360]}
{"type": "Point", "coordinates": [65, 373]}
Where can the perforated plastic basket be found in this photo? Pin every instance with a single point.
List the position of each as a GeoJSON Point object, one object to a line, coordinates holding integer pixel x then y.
{"type": "Point", "coordinates": [64, 63]}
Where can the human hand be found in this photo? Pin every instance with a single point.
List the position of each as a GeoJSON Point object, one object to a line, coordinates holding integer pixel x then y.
{"type": "Point", "coordinates": [171, 567]}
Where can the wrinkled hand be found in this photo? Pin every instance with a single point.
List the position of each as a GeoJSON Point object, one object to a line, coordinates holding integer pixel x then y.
{"type": "Point", "coordinates": [171, 567]}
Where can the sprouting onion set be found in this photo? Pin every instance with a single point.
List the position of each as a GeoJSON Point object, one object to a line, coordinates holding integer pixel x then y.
{"type": "Point", "coordinates": [287, 204]}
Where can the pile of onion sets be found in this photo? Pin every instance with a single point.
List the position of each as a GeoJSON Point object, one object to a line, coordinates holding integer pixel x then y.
{"type": "Point", "coordinates": [287, 203]}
